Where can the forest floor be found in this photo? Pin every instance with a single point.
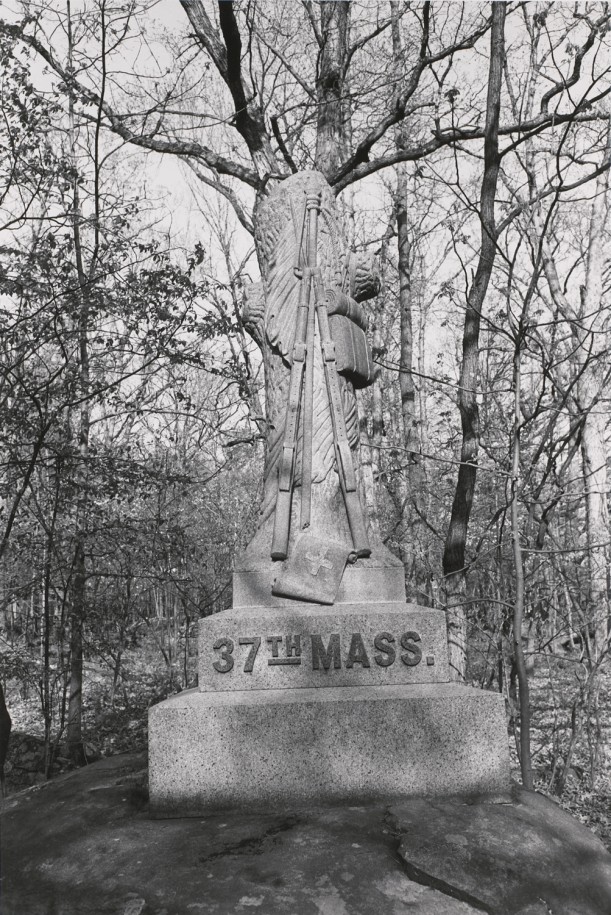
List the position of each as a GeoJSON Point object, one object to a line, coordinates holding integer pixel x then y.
{"type": "Point", "coordinates": [558, 710]}
{"type": "Point", "coordinates": [120, 726]}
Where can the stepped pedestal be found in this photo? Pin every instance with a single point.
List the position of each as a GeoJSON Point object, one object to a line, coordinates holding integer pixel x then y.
{"type": "Point", "coordinates": [299, 703]}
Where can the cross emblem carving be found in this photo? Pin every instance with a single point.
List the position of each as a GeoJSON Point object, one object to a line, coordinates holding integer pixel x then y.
{"type": "Point", "coordinates": [319, 562]}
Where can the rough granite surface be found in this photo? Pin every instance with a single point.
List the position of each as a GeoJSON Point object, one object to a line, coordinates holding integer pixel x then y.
{"type": "Point", "coordinates": [84, 844]}
{"type": "Point", "coordinates": [273, 748]}
{"type": "Point", "coordinates": [365, 582]}
{"type": "Point", "coordinates": [350, 622]}
{"type": "Point", "coordinates": [526, 856]}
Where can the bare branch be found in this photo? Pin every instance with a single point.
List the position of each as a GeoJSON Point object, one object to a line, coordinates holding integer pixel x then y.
{"type": "Point", "coordinates": [206, 34]}
{"type": "Point", "coordinates": [342, 176]}
{"type": "Point", "coordinates": [444, 138]}
{"type": "Point", "coordinates": [555, 189]}
{"type": "Point", "coordinates": [282, 145]}
{"type": "Point", "coordinates": [290, 69]}
{"type": "Point", "coordinates": [563, 84]}
{"type": "Point", "coordinates": [309, 8]}
{"type": "Point", "coordinates": [226, 192]}
{"type": "Point", "coordinates": [118, 123]}
{"type": "Point", "coordinates": [249, 121]}
{"type": "Point", "coordinates": [361, 42]}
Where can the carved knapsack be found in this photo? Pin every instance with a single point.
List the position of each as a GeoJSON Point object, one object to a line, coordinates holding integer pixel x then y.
{"type": "Point", "coordinates": [348, 325]}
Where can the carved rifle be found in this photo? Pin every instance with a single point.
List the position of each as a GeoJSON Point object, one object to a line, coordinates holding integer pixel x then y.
{"type": "Point", "coordinates": [301, 384]}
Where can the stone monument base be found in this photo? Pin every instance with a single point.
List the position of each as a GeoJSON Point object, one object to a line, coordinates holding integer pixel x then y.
{"type": "Point", "coordinates": [379, 578]}
{"type": "Point", "coordinates": [272, 748]}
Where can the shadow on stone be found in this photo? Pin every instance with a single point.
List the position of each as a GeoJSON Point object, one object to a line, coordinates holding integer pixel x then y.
{"type": "Point", "coordinates": [84, 844]}
{"type": "Point", "coordinates": [505, 858]}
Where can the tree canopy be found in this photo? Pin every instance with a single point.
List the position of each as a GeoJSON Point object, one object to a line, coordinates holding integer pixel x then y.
{"type": "Point", "coordinates": [468, 145]}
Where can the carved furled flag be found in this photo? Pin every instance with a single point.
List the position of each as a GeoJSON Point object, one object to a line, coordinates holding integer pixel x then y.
{"type": "Point", "coordinates": [314, 570]}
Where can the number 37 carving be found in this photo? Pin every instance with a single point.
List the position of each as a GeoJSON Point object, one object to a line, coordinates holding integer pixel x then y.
{"type": "Point", "coordinates": [226, 660]}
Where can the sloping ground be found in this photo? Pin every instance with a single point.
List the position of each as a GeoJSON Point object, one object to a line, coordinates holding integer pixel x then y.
{"type": "Point", "coordinates": [560, 703]}
{"type": "Point", "coordinates": [84, 843]}
{"type": "Point", "coordinates": [505, 857]}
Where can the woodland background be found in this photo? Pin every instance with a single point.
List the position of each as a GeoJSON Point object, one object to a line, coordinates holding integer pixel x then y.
{"type": "Point", "coordinates": [469, 144]}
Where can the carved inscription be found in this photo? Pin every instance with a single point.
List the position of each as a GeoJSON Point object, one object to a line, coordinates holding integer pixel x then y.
{"type": "Point", "coordinates": [252, 654]}
{"type": "Point", "coordinates": [324, 656]}
{"type": "Point", "coordinates": [356, 652]}
{"type": "Point", "coordinates": [383, 642]}
{"type": "Point", "coordinates": [413, 654]}
{"type": "Point", "coordinates": [327, 652]}
{"type": "Point", "coordinates": [292, 656]}
{"type": "Point", "coordinates": [225, 662]}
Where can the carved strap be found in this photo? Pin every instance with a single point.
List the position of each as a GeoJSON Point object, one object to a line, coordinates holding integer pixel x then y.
{"type": "Point", "coordinates": [303, 363]}
{"type": "Point", "coordinates": [312, 211]}
{"type": "Point", "coordinates": [343, 455]}
{"type": "Point", "coordinates": [286, 471]}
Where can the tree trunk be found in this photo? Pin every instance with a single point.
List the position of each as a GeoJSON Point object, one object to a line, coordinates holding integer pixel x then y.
{"type": "Point", "coordinates": [406, 378]}
{"type": "Point", "coordinates": [591, 331]}
{"type": "Point", "coordinates": [76, 748]}
{"type": "Point", "coordinates": [249, 118]}
{"type": "Point", "coordinates": [47, 698]}
{"type": "Point", "coordinates": [589, 359]}
{"type": "Point", "coordinates": [455, 546]}
{"type": "Point", "coordinates": [413, 481]}
{"type": "Point", "coordinates": [333, 108]}
{"type": "Point", "coordinates": [74, 732]}
{"type": "Point", "coordinates": [596, 484]}
{"type": "Point", "coordinates": [518, 610]}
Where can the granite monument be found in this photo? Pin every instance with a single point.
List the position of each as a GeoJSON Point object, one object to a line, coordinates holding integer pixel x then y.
{"type": "Point", "coordinates": [321, 684]}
